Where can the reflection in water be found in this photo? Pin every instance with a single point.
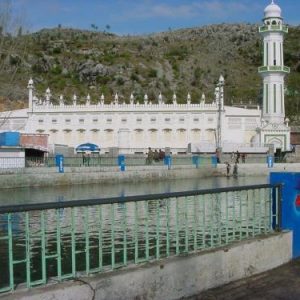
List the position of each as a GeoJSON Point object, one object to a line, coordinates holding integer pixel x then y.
{"type": "Point", "coordinates": [102, 190]}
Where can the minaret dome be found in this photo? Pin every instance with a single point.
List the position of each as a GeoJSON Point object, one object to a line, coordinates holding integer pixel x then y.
{"type": "Point", "coordinates": [272, 11]}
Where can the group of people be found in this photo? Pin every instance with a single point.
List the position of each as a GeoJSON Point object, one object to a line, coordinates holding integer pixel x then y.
{"type": "Point", "coordinates": [86, 158]}
{"type": "Point", "coordinates": [236, 156]}
{"type": "Point", "coordinates": [154, 156]}
{"type": "Point", "coordinates": [235, 169]}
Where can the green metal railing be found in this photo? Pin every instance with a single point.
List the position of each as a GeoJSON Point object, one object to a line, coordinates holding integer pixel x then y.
{"type": "Point", "coordinates": [61, 240]}
{"type": "Point", "coordinates": [274, 68]}
{"type": "Point", "coordinates": [105, 161]}
{"type": "Point", "coordinates": [98, 161]}
{"type": "Point", "coordinates": [281, 27]}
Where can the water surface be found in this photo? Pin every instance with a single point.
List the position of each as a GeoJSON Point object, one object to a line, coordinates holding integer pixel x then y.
{"type": "Point", "coordinates": [104, 190]}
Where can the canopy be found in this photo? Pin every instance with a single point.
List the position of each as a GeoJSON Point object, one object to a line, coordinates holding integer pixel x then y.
{"type": "Point", "coordinates": [88, 147]}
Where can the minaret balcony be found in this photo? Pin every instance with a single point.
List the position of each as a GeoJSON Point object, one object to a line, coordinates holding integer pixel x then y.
{"type": "Point", "coordinates": [270, 28]}
{"type": "Point", "coordinates": [264, 69]}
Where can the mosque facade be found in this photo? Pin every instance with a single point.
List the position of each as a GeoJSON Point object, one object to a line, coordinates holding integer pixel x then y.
{"type": "Point", "coordinates": [199, 127]}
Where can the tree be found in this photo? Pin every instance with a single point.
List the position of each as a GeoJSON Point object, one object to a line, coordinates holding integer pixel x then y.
{"type": "Point", "coordinates": [12, 46]}
{"type": "Point", "coordinates": [94, 27]}
{"type": "Point", "coordinates": [20, 31]}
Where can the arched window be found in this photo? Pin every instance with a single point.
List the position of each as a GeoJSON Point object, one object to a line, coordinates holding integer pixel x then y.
{"type": "Point", "coordinates": [274, 22]}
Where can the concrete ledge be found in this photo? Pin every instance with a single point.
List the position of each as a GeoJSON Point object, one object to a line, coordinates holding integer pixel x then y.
{"type": "Point", "coordinates": [175, 277]}
{"type": "Point", "coordinates": [94, 175]}
{"type": "Point", "coordinates": [260, 169]}
{"type": "Point", "coordinates": [85, 175]}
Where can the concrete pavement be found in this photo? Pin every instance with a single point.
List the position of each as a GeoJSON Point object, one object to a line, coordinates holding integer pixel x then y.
{"type": "Point", "coordinates": [281, 283]}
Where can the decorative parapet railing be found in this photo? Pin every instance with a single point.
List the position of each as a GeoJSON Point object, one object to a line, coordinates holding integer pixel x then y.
{"type": "Point", "coordinates": [123, 107]}
{"type": "Point", "coordinates": [274, 69]}
{"type": "Point", "coordinates": [267, 28]}
{"type": "Point", "coordinates": [61, 240]}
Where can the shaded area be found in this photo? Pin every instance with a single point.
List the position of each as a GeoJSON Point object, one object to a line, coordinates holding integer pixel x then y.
{"type": "Point", "coordinates": [279, 283]}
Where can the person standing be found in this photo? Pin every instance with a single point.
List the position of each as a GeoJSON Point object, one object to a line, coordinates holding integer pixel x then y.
{"type": "Point", "coordinates": [218, 155]}
{"type": "Point", "coordinates": [243, 156]}
{"type": "Point", "coordinates": [156, 156]}
{"type": "Point", "coordinates": [88, 159]}
{"type": "Point", "coordinates": [161, 154]}
{"type": "Point", "coordinates": [232, 157]}
{"type": "Point", "coordinates": [83, 158]}
{"type": "Point", "coordinates": [149, 156]}
{"type": "Point", "coordinates": [238, 155]}
{"type": "Point", "coordinates": [228, 167]}
{"type": "Point", "coordinates": [235, 170]}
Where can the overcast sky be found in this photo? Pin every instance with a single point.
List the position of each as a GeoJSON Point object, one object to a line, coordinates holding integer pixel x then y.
{"type": "Point", "coordinates": [146, 16]}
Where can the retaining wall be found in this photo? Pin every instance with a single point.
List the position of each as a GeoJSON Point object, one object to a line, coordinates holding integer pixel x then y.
{"type": "Point", "coordinates": [41, 176]}
{"type": "Point", "coordinates": [173, 278]}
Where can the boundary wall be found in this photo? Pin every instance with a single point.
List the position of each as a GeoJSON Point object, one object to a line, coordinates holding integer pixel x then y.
{"type": "Point", "coordinates": [41, 176]}
{"type": "Point", "coordinates": [175, 277]}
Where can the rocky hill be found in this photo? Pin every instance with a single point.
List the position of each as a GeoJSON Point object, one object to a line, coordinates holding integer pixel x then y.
{"type": "Point", "coordinates": [189, 60]}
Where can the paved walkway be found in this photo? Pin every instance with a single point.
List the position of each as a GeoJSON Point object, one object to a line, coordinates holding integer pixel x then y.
{"type": "Point", "coordinates": [281, 283]}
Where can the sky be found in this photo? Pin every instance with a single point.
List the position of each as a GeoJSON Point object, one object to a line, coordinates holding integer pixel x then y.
{"type": "Point", "coordinates": [145, 16]}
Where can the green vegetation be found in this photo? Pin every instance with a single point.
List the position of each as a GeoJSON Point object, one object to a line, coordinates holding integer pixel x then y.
{"type": "Point", "coordinates": [189, 60]}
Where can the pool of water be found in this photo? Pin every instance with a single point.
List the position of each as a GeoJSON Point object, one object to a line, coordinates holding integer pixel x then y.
{"type": "Point", "coordinates": [104, 190]}
{"type": "Point", "coordinates": [108, 236]}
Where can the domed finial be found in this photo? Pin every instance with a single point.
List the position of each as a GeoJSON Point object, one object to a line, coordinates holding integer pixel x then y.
{"type": "Point", "coordinates": [61, 99]}
{"type": "Point", "coordinates": [30, 83]}
{"type": "Point", "coordinates": [88, 99]}
{"type": "Point", "coordinates": [131, 98]}
{"type": "Point", "coordinates": [188, 98]}
{"type": "Point", "coordinates": [145, 99]}
{"type": "Point", "coordinates": [272, 11]}
{"type": "Point", "coordinates": [74, 99]}
{"type": "Point", "coordinates": [48, 95]}
{"type": "Point", "coordinates": [221, 79]}
{"type": "Point", "coordinates": [116, 98]}
{"type": "Point", "coordinates": [174, 98]}
{"type": "Point", "coordinates": [160, 98]}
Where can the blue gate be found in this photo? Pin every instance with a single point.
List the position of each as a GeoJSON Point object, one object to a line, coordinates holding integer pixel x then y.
{"type": "Point", "coordinates": [290, 218]}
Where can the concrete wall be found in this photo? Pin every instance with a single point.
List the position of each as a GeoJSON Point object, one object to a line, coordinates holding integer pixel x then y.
{"type": "Point", "coordinates": [87, 175]}
{"type": "Point", "coordinates": [10, 178]}
{"type": "Point", "coordinates": [175, 277]}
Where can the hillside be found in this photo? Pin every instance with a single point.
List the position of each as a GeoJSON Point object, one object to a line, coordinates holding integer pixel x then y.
{"type": "Point", "coordinates": [188, 60]}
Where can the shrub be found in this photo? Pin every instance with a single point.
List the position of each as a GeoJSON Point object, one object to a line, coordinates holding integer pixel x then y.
{"type": "Point", "coordinates": [152, 73]}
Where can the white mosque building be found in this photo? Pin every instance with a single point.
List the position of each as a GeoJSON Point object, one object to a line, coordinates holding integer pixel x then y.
{"type": "Point", "coordinates": [200, 127]}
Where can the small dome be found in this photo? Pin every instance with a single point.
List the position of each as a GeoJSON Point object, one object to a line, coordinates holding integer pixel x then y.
{"type": "Point", "coordinates": [221, 79]}
{"type": "Point", "coordinates": [272, 11]}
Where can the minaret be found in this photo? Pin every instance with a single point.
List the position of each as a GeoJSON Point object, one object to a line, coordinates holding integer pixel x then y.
{"type": "Point", "coordinates": [273, 70]}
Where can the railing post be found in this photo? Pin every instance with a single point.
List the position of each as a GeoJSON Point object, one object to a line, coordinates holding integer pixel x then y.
{"type": "Point", "coordinates": [121, 162]}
